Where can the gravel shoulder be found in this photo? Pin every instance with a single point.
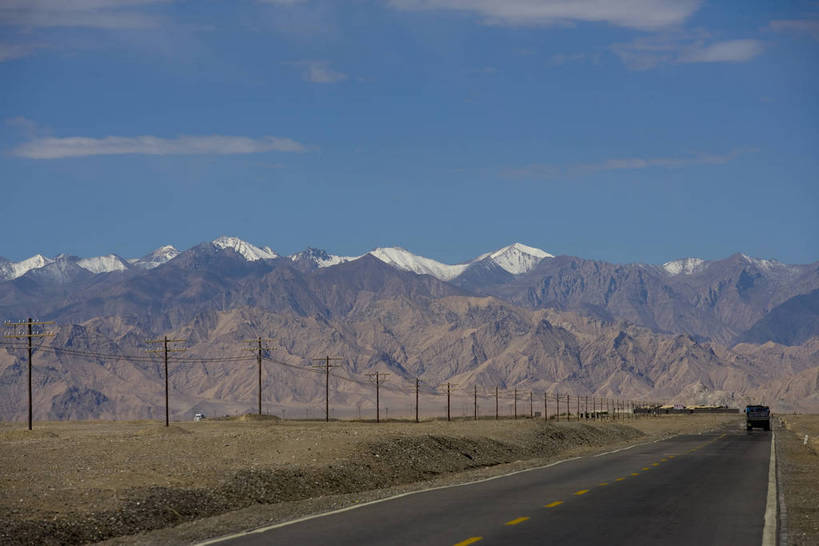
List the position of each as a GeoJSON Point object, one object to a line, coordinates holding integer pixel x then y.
{"type": "Point", "coordinates": [800, 476]}
{"type": "Point", "coordinates": [73, 483]}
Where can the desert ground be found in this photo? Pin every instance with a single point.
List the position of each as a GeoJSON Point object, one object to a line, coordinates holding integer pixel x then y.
{"type": "Point", "coordinates": [83, 482]}
{"type": "Point", "coordinates": [799, 470]}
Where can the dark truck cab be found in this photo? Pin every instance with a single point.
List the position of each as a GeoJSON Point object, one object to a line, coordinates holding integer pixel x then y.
{"type": "Point", "coordinates": [757, 416]}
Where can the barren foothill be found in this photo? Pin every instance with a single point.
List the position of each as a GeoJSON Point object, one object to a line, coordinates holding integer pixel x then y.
{"type": "Point", "coordinates": [800, 473]}
{"type": "Point", "coordinates": [75, 482]}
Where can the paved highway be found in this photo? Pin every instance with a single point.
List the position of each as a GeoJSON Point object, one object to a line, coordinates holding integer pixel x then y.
{"type": "Point", "coordinates": [692, 489]}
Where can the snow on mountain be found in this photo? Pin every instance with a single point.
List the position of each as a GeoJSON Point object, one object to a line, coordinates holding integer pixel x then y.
{"type": "Point", "coordinates": [12, 270]}
{"type": "Point", "coordinates": [250, 252]}
{"type": "Point", "coordinates": [517, 258]}
{"type": "Point", "coordinates": [156, 258]}
{"type": "Point", "coordinates": [103, 264]}
{"type": "Point", "coordinates": [320, 258]}
{"type": "Point", "coordinates": [761, 263]}
{"type": "Point", "coordinates": [684, 266]}
{"type": "Point", "coordinates": [406, 260]}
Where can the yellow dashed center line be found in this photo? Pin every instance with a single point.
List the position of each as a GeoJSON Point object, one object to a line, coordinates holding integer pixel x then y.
{"type": "Point", "coordinates": [516, 521]}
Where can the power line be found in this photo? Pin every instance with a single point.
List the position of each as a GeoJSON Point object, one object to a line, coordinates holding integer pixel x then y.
{"type": "Point", "coordinates": [327, 367]}
{"type": "Point", "coordinates": [378, 376]}
{"type": "Point", "coordinates": [165, 350]}
{"type": "Point", "coordinates": [29, 335]}
{"type": "Point", "coordinates": [260, 348]}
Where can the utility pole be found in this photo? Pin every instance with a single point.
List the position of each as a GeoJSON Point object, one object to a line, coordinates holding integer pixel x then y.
{"type": "Point", "coordinates": [378, 376]}
{"type": "Point", "coordinates": [496, 403]}
{"type": "Point", "coordinates": [568, 407]}
{"type": "Point", "coordinates": [586, 411]}
{"type": "Point", "coordinates": [476, 402]}
{"type": "Point", "coordinates": [29, 334]}
{"type": "Point", "coordinates": [557, 403]}
{"type": "Point", "coordinates": [577, 400]}
{"type": "Point", "coordinates": [531, 407]}
{"type": "Point", "coordinates": [258, 350]}
{"type": "Point", "coordinates": [165, 350]}
{"type": "Point", "coordinates": [417, 389]}
{"type": "Point", "coordinates": [516, 403]}
{"type": "Point", "coordinates": [448, 417]}
{"type": "Point", "coordinates": [545, 406]}
{"type": "Point", "coordinates": [448, 391]}
{"type": "Point", "coordinates": [326, 367]}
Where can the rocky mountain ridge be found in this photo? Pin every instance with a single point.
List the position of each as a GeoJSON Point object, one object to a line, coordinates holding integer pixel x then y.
{"type": "Point", "coordinates": [565, 324]}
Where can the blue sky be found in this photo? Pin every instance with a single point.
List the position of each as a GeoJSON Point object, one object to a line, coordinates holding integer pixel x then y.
{"type": "Point", "coordinates": [642, 130]}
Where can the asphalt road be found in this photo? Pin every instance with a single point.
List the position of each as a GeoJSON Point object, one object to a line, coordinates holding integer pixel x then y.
{"type": "Point", "coordinates": [693, 489]}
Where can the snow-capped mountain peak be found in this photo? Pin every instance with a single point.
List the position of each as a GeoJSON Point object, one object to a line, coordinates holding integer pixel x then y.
{"type": "Point", "coordinates": [250, 252]}
{"type": "Point", "coordinates": [684, 266]}
{"type": "Point", "coordinates": [103, 264]}
{"type": "Point", "coordinates": [517, 258]}
{"type": "Point", "coordinates": [762, 263]}
{"type": "Point", "coordinates": [18, 269]}
{"type": "Point", "coordinates": [320, 258]}
{"type": "Point", "coordinates": [156, 258]}
{"type": "Point", "coordinates": [406, 260]}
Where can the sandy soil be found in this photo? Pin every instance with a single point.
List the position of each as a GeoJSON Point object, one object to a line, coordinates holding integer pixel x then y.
{"type": "Point", "coordinates": [76, 482]}
{"type": "Point", "coordinates": [800, 474]}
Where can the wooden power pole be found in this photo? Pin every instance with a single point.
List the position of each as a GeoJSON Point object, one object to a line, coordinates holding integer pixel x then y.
{"type": "Point", "coordinates": [259, 350]}
{"type": "Point", "coordinates": [165, 350]}
{"type": "Point", "coordinates": [326, 367]}
{"type": "Point", "coordinates": [30, 335]}
{"type": "Point", "coordinates": [378, 376]}
{"type": "Point", "coordinates": [417, 389]}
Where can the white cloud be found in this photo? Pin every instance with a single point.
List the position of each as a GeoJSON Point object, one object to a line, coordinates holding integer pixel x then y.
{"type": "Point", "coordinates": [696, 47]}
{"type": "Point", "coordinates": [732, 51]}
{"type": "Point", "coordinates": [108, 14]}
{"type": "Point", "coordinates": [547, 171]}
{"type": "Point", "coordinates": [27, 127]}
{"type": "Point", "coordinates": [16, 51]}
{"type": "Point", "coordinates": [642, 14]}
{"type": "Point", "coordinates": [802, 26]}
{"type": "Point", "coordinates": [320, 72]}
{"type": "Point", "coordinates": [638, 163]}
{"type": "Point", "coordinates": [55, 148]}
{"type": "Point", "coordinates": [567, 58]}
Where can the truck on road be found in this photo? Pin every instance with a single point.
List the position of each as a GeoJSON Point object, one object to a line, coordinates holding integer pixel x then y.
{"type": "Point", "coordinates": [757, 416]}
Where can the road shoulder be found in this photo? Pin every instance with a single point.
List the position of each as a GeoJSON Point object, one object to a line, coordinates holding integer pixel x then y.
{"type": "Point", "coordinates": [799, 465]}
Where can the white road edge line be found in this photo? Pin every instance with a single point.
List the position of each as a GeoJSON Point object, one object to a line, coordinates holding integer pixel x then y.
{"type": "Point", "coordinates": [385, 499]}
{"type": "Point", "coordinates": [769, 531]}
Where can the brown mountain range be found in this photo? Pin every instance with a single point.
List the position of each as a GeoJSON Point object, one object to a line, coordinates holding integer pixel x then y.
{"type": "Point", "coordinates": [623, 342]}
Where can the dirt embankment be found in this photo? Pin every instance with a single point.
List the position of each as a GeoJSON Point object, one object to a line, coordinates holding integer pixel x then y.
{"type": "Point", "coordinates": [800, 474]}
{"type": "Point", "coordinates": [78, 483]}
